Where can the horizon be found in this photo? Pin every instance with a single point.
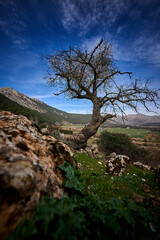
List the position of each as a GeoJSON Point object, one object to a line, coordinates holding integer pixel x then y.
{"type": "Point", "coordinates": [29, 29]}
{"type": "Point", "coordinates": [132, 114]}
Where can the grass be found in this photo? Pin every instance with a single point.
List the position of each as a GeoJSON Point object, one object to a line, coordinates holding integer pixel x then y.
{"type": "Point", "coordinates": [132, 132]}
{"type": "Point", "coordinates": [83, 216]}
{"type": "Point", "coordinates": [105, 186]}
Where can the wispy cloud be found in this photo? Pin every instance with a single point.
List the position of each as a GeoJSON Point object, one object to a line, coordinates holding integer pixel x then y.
{"type": "Point", "coordinates": [13, 23]}
{"type": "Point", "coordinates": [90, 43]}
{"type": "Point", "coordinates": [42, 96]}
{"type": "Point", "coordinates": [84, 14]}
{"type": "Point", "coordinates": [120, 29]}
{"type": "Point", "coordinates": [80, 111]}
{"type": "Point", "coordinates": [143, 49]}
{"type": "Point", "coordinates": [79, 14]}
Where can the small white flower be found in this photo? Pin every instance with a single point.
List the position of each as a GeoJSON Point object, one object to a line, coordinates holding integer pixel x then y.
{"type": "Point", "coordinates": [134, 174]}
{"type": "Point", "coordinates": [112, 178]}
{"type": "Point", "coordinates": [127, 173]}
{"type": "Point", "coordinates": [143, 179]}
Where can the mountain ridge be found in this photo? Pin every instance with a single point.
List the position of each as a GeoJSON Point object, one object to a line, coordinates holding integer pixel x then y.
{"type": "Point", "coordinates": [51, 114]}
{"type": "Point", "coordinates": [21, 98]}
{"type": "Point", "coordinates": [21, 104]}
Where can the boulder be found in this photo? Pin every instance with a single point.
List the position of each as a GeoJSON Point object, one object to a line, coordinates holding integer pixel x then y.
{"type": "Point", "coordinates": [44, 130]}
{"type": "Point", "coordinates": [91, 149]}
{"type": "Point", "coordinates": [116, 164]}
{"type": "Point", "coordinates": [29, 168]}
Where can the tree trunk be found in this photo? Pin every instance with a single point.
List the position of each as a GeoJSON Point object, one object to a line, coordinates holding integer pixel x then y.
{"type": "Point", "coordinates": [80, 140]}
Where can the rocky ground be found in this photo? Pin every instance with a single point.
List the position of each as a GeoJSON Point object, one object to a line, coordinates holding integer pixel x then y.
{"type": "Point", "coordinates": [29, 168]}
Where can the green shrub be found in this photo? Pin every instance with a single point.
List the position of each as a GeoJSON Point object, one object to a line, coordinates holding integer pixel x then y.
{"type": "Point", "coordinates": [65, 131]}
{"type": "Point", "coordinates": [120, 144]}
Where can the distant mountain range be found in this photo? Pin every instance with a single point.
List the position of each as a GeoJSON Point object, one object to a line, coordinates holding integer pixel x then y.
{"type": "Point", "coordinates": [138, 120]}
{"type": "Point", "coordinates": [14, 101]}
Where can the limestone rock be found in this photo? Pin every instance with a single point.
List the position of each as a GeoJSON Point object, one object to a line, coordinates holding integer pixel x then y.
{"type": "Point", "coordinates": [91, 149]}
{"type": "Point", "coordinates": [44, 130]}
{"type": "Point", "coordinates": [116, 164]}
{"type": "Point", "coordinates": [143, 166]}
{"type": "Point", "coordinates": [29, 168]}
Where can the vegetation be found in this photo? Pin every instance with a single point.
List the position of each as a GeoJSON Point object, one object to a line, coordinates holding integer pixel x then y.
{"type": "Point", "coordinates": [8, 105]}
{"type": "Point", "coordinates": [51, 116]}
{"type": "Point", "coordinates": [65, 131]}
{"type": "Point", "coordinates": [97, 181]}
{"type": "Point", "coordinates": [84, 216]}
{"type": "Point", "coordinates": [91, 74]}
{"type": "Point", "coordinates": [119, 143]}
{"type": "Point", "coordinates": [132, 132]}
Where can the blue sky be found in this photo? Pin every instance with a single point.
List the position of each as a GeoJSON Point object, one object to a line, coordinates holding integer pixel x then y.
{"type": "Point", "coordinates": [29, 28]}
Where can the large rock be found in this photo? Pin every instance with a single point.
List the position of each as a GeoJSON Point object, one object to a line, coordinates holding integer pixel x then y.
{"type": "Point", "coordinates": [29, 168]}
{"type": "Point", "coordinates": [116, 164]}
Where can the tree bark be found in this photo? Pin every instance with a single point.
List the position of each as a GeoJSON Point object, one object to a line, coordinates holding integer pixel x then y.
{"type": "Point", "coordinates": [80, 140]}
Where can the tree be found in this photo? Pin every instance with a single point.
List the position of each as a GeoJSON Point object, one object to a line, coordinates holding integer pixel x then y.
{"type": "Point", "coordinates": [91, 75]}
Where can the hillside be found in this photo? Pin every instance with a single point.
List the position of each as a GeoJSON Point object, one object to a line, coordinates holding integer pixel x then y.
{"type": "Point", "coordinates": [12, 100]}
{"type": "Point", "coordinates": [34, 109]}
{"type": "Point", "coordinates": [135, 120]}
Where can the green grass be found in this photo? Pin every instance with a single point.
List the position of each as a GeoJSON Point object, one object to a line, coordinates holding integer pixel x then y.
{"type": "Point", "coordinates": [105, 186]}
{"type": "Point", "coordinates": [82, 215]}
{"type": "Point", "coordinates": [132, 132]}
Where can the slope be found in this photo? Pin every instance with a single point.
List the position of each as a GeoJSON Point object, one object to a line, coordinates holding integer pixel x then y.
{"type": "Point", "coordinates": [49, 115]}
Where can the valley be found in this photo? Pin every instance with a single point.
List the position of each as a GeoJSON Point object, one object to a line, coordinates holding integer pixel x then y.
{"type": "Point", "coordinates": [144, 131]}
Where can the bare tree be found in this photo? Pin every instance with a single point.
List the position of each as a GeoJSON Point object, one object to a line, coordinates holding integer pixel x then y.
{"type": "Point", "coordinates": [92, 75]}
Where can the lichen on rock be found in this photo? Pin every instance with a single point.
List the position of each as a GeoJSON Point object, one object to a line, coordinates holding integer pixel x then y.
{"type": "Point", "coordinates": [29, 168]}
{"type": "Point", "coordinates": [116, 164]}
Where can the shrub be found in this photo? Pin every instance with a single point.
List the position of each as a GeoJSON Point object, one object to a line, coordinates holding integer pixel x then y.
{"type": "Point", "coordinates": [120, 144]}
{"type": "Point", "coordinates": [65, 131]}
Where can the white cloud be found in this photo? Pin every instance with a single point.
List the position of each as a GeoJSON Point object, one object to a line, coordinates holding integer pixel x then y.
{"type": "Point", "coordinates": [42, 96]}
{"type": "Point", "coordinates": [144, 48]}
{"type": "Point", "coordinates": [120, 29]}
{"type": "Point", "coordinates": [91, 43]}
{"type": "Point", "coordinates": [84, 14]}
{"type": "Point", "coordinates": [80, 111]}
{"type": "Point", "coordinates": [13, 24]}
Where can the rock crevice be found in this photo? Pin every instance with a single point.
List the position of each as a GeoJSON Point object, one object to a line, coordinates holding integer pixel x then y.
{"type": "Point", "coordinates": [29, 168]}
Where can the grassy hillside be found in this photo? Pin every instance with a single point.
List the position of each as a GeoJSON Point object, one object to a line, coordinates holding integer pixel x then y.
{"type": "Point", "coordinates": [51, 116]}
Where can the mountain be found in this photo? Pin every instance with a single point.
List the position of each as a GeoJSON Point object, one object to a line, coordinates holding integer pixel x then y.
{"type": "Point", "coordinates": [139, 120]}
{"type": "Point", "coordinates": [40, 112]}
{"type": "Point", "coordinates": [22, 99]}
{"type": "Point", "coordinates": [36, 110]}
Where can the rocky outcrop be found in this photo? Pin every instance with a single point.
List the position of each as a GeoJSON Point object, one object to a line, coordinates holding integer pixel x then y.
{"type": "Point", "coordinates": [29, 168]}
{"type": "Point", "coordinates": [116, 164]}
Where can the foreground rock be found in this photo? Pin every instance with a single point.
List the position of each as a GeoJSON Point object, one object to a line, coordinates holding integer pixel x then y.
{"type": "Point", "coordinates": [116, 164]}
{"type": "Point", "coordinates": [29, 168]}
{"type": "Point", "coordinates": [91, 149]}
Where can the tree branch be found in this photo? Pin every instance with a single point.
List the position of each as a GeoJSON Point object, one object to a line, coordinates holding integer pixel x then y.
{"type": "Point", "coordinates": [112, 75]}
